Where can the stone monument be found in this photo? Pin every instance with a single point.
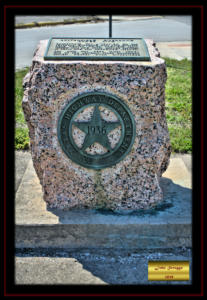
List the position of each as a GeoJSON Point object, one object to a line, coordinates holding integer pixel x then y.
{"type": "Point", "coordinates": [95, 109]}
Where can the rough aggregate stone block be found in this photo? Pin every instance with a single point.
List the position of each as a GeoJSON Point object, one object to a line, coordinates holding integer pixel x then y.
{"type": "Point", "coordinates": [132, 183]}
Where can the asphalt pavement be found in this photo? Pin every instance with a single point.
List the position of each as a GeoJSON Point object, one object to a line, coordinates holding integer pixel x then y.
{"type": "Point", "coordinates": [34, 21]}
{"type": "Point", "coordinates": [172, 34]}
{"type": "Point", "coordinates": [88, 267]}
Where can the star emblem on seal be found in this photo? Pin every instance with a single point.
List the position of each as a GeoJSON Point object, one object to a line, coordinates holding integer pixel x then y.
{"type": "Point", "coordinates": [96, 130]}
{"type": "Point", "coordinates": [108, 113]}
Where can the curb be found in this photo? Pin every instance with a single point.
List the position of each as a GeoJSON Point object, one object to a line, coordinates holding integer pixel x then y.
{"type": "Point", "coordinates": [52, 23]}
{"type": "Point", "coordinates": [108, 236]}
{"type": "Point", "coordinates": [66, 22]}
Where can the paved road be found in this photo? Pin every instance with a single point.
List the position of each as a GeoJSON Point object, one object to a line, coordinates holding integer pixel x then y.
{"type": "Point", "coordinates": [183, 19]}
{"type": "Point", "coordinates": [30, 19]}
{"type": "Point", "coordinates": [159, 29]}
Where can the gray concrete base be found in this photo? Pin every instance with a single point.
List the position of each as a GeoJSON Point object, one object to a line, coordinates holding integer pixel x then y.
{"type": "Point", "coordinates": [169, 225]}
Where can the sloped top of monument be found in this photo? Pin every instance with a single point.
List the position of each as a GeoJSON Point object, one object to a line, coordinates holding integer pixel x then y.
{"type": "Point", "coordinates": [145, 53]}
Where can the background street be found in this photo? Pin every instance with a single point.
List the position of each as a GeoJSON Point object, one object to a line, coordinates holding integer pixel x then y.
{"type": "Point", "coordinates": [162, 29]}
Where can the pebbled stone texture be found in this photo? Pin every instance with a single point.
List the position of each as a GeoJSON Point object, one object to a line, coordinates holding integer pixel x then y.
{"type": "Point", "coordinates": [131, 184]}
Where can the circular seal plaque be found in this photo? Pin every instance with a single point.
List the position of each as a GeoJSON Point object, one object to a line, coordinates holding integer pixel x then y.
{"type": "Point", "coordinates": [96, 130]}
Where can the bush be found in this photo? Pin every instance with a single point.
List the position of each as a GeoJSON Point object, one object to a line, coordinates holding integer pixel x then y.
{"type": "Point", "coordinates": [21, 139]}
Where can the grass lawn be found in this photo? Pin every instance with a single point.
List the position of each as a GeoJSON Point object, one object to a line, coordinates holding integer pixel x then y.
{"type": "Point", "coordinates": [178, 107]}
{"type": "Point", "coordinates": [178, 97]}
{"type": "Point", "coordinates": [21, 131]}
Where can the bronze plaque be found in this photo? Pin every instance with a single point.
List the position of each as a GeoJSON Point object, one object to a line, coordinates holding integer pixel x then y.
{"type": "Point", "coordinates": [97, 49]}
{"type": "Point", "coordinates": [92, 120]}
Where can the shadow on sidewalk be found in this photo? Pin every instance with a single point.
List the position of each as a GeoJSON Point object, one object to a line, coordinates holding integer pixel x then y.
{"type": "Point", "coordinates": [119, 266]}
{"type": "Point", "coordinates": [176, 201]}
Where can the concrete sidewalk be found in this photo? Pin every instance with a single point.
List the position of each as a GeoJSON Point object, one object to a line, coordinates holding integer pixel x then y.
{"type": "Point", "coordinates": [97, 248]}
{"type": "Point", "coordinates": [169, 225]}
{"type": "Point", "coordinates": [175, 50]}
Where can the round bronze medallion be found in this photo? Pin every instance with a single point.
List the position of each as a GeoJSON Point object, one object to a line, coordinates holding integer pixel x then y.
{"type": "Point", "coordinates": [96, 130]}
